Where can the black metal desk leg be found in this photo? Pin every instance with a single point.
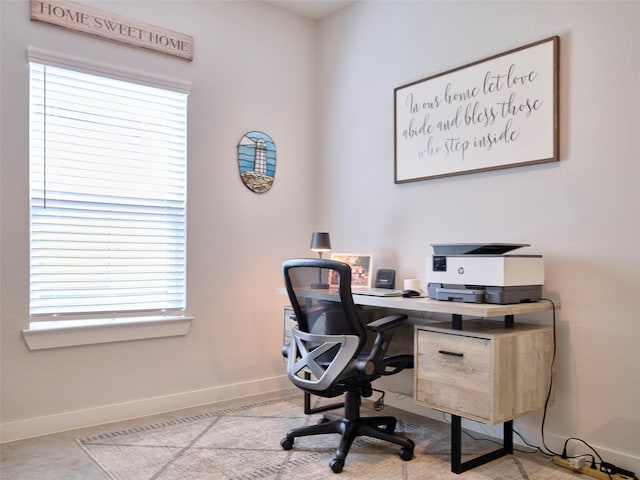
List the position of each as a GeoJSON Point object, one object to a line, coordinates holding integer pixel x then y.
{"type": "Point", "coordinates": [458, 466]}
{"type": "Point", "coordinates": [308, 409]}
{"type": "Point", "coordinates": [456, 444]}
{"type": "Point", "coordinates": [508, 321]}
{"type": "Point", "coordinates": [508, 437]}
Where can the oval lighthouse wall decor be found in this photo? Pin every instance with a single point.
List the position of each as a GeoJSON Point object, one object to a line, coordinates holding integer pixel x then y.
{"type": "Point", "coordinates": [257, 161]}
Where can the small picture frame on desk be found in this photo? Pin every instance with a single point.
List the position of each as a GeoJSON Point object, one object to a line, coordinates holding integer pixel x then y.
{"type": "Point", "coordinates": [361, 271]}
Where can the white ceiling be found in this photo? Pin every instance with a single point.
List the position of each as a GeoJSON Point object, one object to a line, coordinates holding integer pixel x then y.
{"type": "Point", "coordinates": [314, 9]}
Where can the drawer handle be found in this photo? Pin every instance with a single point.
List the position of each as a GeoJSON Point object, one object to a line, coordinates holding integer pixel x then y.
{"type": "Point", "coordinates": [447, 352]}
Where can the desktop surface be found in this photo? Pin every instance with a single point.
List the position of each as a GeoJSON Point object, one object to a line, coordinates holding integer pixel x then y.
{"type": "Point", "coordinates": [425, 304]}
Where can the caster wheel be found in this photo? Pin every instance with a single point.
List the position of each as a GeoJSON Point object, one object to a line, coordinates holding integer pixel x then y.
{"type": "Point", "coordinates": [406, 454]}
{"type": "Point", "coordinates": [336, 465]}
{"type": "Point", "coordinates": [322, 420]}
{"type": "Point", "coordinates": [286, 443]}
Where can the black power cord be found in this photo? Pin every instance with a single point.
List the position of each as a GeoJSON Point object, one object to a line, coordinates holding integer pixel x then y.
{"type": "Point", "coordinates": [553, 361]}
{"type": "Point", "coordinates": [605, 467]}
{"type": "Point", "coordinates": [378, 405]}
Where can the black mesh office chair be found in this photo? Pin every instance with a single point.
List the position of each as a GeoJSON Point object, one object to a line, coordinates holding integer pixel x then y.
{"type": "Point", "coordinates": [329, 356]}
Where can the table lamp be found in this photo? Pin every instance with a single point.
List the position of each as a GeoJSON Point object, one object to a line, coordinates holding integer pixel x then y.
{"type": "Point", "coordinates": [320, 243]}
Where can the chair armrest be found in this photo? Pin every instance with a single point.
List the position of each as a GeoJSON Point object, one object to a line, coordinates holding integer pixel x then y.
{"type": "Point", "coordinates": [386, 323]}
{"type": "Point", "coordinates": [383, 329]}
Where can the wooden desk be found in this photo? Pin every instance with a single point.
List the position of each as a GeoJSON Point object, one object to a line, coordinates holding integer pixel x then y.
{"type": "Point", "coordinates": [514, 362]}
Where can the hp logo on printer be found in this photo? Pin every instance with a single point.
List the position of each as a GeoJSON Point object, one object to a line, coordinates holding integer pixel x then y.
{"type": "Point", "coordinates": [461, 270]}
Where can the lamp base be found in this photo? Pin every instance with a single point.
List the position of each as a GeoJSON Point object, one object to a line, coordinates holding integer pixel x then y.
{"type": "Point", "coordinates": [320, 286]}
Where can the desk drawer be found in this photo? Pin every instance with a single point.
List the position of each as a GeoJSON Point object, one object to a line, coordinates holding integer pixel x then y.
{"type": "Point", "coordinates": [454, 373]}
{"type": "Point", "coordinates": [485, 372]}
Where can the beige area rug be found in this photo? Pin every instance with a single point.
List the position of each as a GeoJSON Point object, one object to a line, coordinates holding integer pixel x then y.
{"type": "Point", "coordinates": [243, 443]}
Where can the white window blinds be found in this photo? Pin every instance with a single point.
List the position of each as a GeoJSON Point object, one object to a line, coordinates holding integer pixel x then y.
{"type": "Point", "coordinates": [108, 196]}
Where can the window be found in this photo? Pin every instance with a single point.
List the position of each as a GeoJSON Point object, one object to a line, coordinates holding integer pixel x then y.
{"type": "Point", "coordinates": [108, 197]}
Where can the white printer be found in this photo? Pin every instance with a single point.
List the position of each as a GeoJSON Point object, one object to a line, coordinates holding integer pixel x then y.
{"type": "Point", "coordinates": [482, 273]}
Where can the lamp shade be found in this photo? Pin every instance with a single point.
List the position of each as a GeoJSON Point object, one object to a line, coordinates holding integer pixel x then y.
{"type": "Point", "coordinates": [320, 242]}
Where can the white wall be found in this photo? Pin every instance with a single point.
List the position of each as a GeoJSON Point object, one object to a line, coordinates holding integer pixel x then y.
{"type": "Point", "coordinates": [253, 69]}
{"type": "Point", "coordinates": [581, 213]}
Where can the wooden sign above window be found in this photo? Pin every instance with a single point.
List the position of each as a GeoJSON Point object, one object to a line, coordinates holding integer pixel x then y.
{"type": "Point", "coordinates": [100, 23]}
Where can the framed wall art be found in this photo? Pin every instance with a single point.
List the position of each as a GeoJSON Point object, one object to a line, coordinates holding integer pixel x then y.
{"type": "Point", "coordinates": [257, 161]}
{"type": "Point", "coordinates": [360, 269]}
{"type": "Point", "coordinates": [498, 112]}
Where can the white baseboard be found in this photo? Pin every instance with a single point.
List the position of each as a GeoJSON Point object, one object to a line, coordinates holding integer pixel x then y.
{"type": "Point", "coordinates": [35, 427]}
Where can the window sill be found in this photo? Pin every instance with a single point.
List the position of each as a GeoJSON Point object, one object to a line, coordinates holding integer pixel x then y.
{"type": "Point", "coordinates": [59, 334]}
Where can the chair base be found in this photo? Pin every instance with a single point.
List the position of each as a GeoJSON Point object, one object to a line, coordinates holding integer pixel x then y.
{"type": "Point", "coordinates": [350, 426]}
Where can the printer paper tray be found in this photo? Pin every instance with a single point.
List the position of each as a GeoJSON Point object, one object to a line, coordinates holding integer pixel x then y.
{"type": "Point", "coordinates": [494, 295]}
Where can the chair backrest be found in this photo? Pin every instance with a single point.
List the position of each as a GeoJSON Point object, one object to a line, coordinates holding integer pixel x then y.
{"type": "Point", "coordinates": [317, 315]}
{"type": "Point", "coordinates": [330, 334]}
